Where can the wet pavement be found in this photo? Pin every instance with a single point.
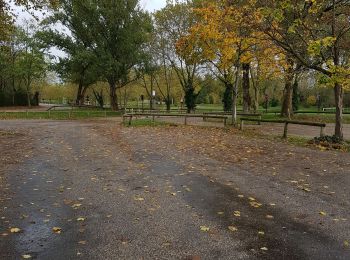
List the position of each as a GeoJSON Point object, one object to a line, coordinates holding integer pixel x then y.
{"type": "Point", "coordinates": [96, 190]}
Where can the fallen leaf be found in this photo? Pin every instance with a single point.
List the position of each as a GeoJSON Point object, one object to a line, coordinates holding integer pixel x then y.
{"type": "Point", "coordinates": [82, 242]}
{"type": "Point", "coordinates": [221, 213]}
{"type": "Point", "coordinates": [346, 243]}
{"type": "Point", "coordinates": [261, 233]}
{"type": "Point", "coordinates": [139, 199]}
{"type": "Point", "coordinates": [15, 230]}
{"type": "Point", "coordinates": [57, 230]}
{"type": "Point", "coordinates": [232, 228]}
{"type": "Point", "coordinates": [26, 256]}
{"type": "Point", "coordinates": [264, 248]}
{"type": "Point", "coordinates": [80, 219]}
{"type": "Point", "coordinates": [237, 213]}
{"type": "Point", "coordinates": [204, 228]}
{"type": "Point", "coordinates": [269, 216]}
{"type": "Point", "coordinates": [322, 213]}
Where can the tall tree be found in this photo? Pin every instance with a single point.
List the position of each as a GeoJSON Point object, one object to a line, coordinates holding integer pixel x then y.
{"type": "Point", "coordinates": [316, 35]}
{"type": "Point", "coordinates": [117, 30]}
{"type": "Point", "coordinates": [172, 22]}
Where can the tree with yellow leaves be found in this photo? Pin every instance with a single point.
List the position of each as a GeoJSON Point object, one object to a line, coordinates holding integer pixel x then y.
{"type": "Point", "coordinates": [316, 34]}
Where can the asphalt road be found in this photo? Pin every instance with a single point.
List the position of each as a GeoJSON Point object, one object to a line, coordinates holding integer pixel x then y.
{"type": "Point", "coordinates": [169, 193]}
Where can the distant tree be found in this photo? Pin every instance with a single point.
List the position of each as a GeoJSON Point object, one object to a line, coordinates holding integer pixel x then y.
{"type": "Point", "coordinates": [171, 23]}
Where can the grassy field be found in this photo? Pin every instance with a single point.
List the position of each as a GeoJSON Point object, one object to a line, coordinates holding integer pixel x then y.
{"type": "Point", "coordinates": [58, 115]}
{"type": "Point", "coordinates": [146, 122]}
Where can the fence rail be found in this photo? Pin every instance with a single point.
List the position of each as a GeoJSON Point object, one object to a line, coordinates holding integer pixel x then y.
{"type": "Point", "coordinates": [286, 123]}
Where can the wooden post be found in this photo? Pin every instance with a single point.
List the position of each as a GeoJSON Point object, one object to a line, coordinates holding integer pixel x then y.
{"type": "Point", "coordinates": [285, 132]}
{"type": "Point", "coordinates": [130, 119]}
{"type": "Point", "coordinates": [225, 121]}
{"type": "Point", "coordinates": [49, 113]}
{"type": "Point", "coordinates": [185, 119]}
{"type": "Point", "coordinates": [105, 113]}
{"type": "Point", "coordinates": [259, 123]}
{"type": "Point", "coordinates": [153, 118]}
{"type": "Point", "coordinates": [242, 124]}
{"type": "Point", "coordinates": [27, 113]}
{"type": "Point", "coordinates": [322, 131]}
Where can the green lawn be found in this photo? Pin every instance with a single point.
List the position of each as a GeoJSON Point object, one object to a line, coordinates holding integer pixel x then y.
{"type": "Point", "coordinates": [58, 115]}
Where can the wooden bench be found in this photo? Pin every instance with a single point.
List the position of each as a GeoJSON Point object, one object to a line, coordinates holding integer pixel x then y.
{"type": "Point", "coordinates": [185, 116]}
{"type": "Point", "coordinates": [286, 123]}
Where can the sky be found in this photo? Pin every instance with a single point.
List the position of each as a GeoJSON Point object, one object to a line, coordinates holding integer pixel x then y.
{"type": "Point", "coordinates": [152, 5]}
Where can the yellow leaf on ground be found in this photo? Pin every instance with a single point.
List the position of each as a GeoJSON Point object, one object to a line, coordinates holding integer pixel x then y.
{"type": "Point", "coordinates": [57, 230]}
{"type": "Point", "coordinates": [80, 219]}
{"type": "Point", "coordinates": [237, 213]}
{"type": "Point", "coordinates": [204, 228]}
{"type": "Point", "coordinates": [26, 256]}
{"type": "Point", "coordinates": [322, 213]}
{"type": "Point", "coordinates": [346, 243]}
{"type": "Point", "coordinates": [15, 230]}
{"type": "Point", "coordinates": [220, 213]}
{"type": "Point", "coordinates": [264, 248]}
{"type": "Point", "coordinates": [261, 233]}
{"type": "Point", "coordinates": [251, 199]}
{"type": "Point", "coordinates": [82, 242]}
{"type": "Point", "coordinates": [269, 216]}
{"type": "Point", "coordinates": [139, 199]}
{"type": "Point", "coordinates": [232, 228]}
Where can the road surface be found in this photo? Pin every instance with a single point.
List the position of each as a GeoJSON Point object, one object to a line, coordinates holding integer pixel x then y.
{"type": "Point", "coordinates": [97, 190]}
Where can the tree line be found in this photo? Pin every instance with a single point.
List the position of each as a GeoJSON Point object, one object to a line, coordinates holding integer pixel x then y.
{"type": "Point", "coordinates": [242, 43]}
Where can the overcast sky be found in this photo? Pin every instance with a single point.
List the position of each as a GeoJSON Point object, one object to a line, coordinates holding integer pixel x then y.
{"type": "Point", "coordinates": [149, 5]}
{"type": "Point", "coordinates": [152, 5]}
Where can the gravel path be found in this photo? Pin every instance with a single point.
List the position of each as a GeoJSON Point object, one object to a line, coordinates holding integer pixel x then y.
{"type": "Point", "coordinates": [114, 192]}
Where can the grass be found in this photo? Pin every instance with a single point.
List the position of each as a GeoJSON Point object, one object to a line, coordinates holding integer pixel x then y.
{"type": "Point", "coordinates": [147, 122]}
{"type": "Point", "coordinates": [58, 115]}
{"type": "Point", "coordinates": [319, 118]}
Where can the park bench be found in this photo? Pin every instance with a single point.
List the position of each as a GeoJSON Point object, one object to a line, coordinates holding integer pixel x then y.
{"type": "Point", "coordinates": [185, 116]}
{"type": "Point", "coordinates": [286, 123]}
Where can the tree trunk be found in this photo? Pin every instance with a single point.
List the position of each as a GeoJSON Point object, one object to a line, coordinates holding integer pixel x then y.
{"type": "Point", "coordinates": [234, 96]}
{"type": "Point", "coordinates": [245, 87]}
{"type": "Point", "coordinates": [81, 101]}
{"type": "Point", "coordinates": [80, 98]}
{"type": "Point", "coordinates": [338, 94]}
{"type": "Point", "coordinates": [190, 99]}
{"type": "Point", "coordinates": [256, 97]}
{"type": "Point", "coordinates": [168, 103]}
{"type": "Point", "coordinates": [113, 96]}
{"type": "Point", "coordinates": [287, 108]}
{"type": "Point", "coordinates": [227, 99]}
{"type": "Point", "coordinates": [28, 99]}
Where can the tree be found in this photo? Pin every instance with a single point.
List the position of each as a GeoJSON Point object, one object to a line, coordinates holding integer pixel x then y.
{"type": "Point", "coordinates": [171, 23]}
{"type": "Point", "coordinates": [316, 35]}
{"type": "Point", "coordinates": [223, 38]}
{"type": "Point", "coordinates": [31, 63]}
{"type": "Point", "coordinates": [117, 31]}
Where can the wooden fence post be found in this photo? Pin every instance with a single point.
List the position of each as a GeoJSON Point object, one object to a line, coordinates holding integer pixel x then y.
{"type": "Point", "coordinates": [241, 127]}
{"type": "Point", "coordinates": [130, 118]}
{"type": "Point", "coordinates": [322, 131]}
{"type": "Point", "coordinates": [285, 132]}
{"type": "Point", "coordinates": [185, 119]}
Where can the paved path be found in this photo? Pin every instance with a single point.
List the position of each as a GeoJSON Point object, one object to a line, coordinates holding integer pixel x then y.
{"type": "Point", "coordinates": [267, 128]}
{"type": "Point", "coordinates": [168, 193]}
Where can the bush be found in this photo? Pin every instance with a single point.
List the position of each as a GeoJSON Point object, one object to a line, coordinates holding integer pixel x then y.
{"type": "Point", "coordinates": [274, 102]}
{"type": "Point", "coordinates": [311, 101]}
